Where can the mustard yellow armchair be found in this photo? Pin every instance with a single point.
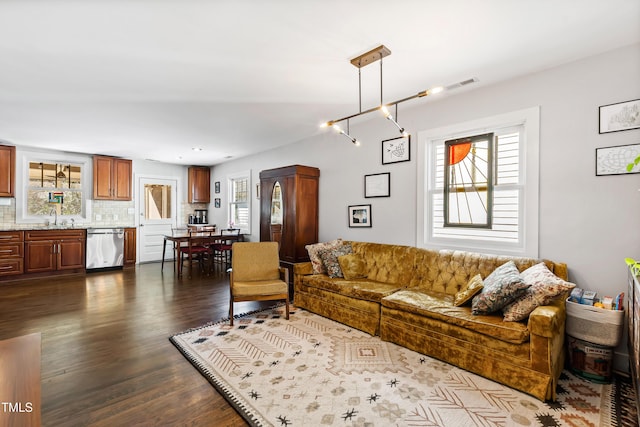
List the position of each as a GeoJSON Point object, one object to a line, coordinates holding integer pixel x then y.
{"type": "Point", "coordinates": [255, 274]}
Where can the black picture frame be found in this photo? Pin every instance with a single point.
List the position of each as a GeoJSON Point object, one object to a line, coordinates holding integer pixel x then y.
{"type": "Point", "coordinates": [359, 216]}
{"type": "Point", "coordinates": [614, 160]}
{"type": "Point", "coordinates": [396, 150]}
{"type": "Point", "coordinates": [216, 187]}
{"type": "Point", "coordinates": [619, 116]}
{"type": "Point", "coordinates": [216, 202]}
{"type": "Point", "coordinates": [377, 185]}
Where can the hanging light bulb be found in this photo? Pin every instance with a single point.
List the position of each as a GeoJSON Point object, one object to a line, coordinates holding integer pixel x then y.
{"type": "Point", "coordinates": [388, 115]}
{"type": "Point", "coordinates": [341, 131]}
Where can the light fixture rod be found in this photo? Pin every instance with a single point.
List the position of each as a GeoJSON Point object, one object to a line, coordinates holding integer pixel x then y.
{"type": "Point", "coordinates": [370, 110]}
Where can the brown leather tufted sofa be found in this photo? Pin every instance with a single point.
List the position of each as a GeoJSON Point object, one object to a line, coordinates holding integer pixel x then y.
{"type": "Point", "coordinates": [407, 298]}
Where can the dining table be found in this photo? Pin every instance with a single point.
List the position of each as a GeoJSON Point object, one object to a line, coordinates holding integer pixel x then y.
{"type": "Point", "coordinates": [182, 238]}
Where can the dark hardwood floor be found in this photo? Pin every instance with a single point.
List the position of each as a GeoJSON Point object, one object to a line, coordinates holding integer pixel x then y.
{"type": "Point", "coordinates": [106, 356]}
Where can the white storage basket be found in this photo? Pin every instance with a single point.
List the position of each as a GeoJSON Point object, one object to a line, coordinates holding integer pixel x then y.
{"type": "Point", "coordinates": [593, 324]}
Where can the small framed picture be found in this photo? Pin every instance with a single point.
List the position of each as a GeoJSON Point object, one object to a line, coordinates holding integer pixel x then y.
{"type": "Point", "coordinates": [377, 185]}
{"type": "Point", "coordinates": [396, 150]}
{"type": "Point", "coordinates": [614, 160]}
{"type": "Point", "coordinates": [359, 216]}
{"type": "Point", "coordinates": [216, 202]}
{"type": "Point", "coordinates": [620, 116]}
{"type": "Point", "coordinates": [216, 187]}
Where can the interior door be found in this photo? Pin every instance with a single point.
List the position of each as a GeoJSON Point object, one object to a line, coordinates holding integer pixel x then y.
{"type": "Point", "coordinates": [157, 210]}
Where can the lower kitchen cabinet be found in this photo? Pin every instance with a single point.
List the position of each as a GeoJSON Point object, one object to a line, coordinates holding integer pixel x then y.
{"type": "Point", "coordinates": [11, 253]}
{"type": "Point", "coordinates": [54, 250]}
{"type": "Point", "coordinates": [129, 247]}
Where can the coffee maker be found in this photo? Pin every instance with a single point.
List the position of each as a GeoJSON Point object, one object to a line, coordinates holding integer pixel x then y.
{"type": "Point", "coordinates": [200, 217]}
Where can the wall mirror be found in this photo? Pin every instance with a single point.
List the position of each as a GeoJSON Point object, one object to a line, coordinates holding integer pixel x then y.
{"type": "Point", "coordinates": [276, 204]}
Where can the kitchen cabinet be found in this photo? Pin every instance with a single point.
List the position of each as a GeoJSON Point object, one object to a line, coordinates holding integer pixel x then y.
{"type": "Point", "coordinates": [111, 178]}
{"type": "Point", "coordinates": [129, 247]}
{"type": "Point", "coordinates": [54, 250]}
{"type": "Point", "coordinates": [289, 210]}
{"type": "Point", "coordinates": [7, 170]}
{"type": "Point", "coordinates": [11, 253]}
{"type": "Point", "coordinates": [199, 184]}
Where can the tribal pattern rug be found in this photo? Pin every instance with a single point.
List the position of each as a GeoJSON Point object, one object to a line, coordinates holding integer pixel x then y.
{"type": "Point", "coordinates": [312, 371]}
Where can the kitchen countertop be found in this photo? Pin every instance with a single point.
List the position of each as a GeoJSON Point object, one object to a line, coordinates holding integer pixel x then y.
{"type": "Point", "coordinates": [28, 227]}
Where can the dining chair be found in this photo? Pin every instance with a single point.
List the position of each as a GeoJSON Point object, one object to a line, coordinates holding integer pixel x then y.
{"type": "Point", "coordinates": [256, 275]}
{"type": "Point", "coordinates": [198, 248]}
{"type": "Point", "coordinates": [222, 249]}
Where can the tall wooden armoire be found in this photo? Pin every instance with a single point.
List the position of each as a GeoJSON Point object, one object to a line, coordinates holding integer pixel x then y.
{"type": "Point", "coordinates": [289, 211]}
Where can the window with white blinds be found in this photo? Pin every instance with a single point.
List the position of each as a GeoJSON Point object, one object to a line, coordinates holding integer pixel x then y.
{"type": "Point", "coordinates": [505, 209]}
{"type": "Point", "coordinates": [513, 227]}
{"type": "Point", "coordinates": [240, 202]}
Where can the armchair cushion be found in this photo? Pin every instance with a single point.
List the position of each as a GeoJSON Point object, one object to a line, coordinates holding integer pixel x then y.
{"type": "Point", "coordinates": [259, 287]}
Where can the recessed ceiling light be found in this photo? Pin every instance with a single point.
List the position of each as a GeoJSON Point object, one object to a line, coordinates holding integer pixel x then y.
{"type": "Point", "coordinates": [228, 157]}
{"type": "Point", "coordinates": [197, 149]}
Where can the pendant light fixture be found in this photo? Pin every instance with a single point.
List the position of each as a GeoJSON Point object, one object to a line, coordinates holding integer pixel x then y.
{"type": "Point", "coordinates": [368, 58]}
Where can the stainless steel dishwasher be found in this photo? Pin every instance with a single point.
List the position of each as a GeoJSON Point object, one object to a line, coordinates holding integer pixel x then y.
{"type": "Point", "coordinates": [105, 248]}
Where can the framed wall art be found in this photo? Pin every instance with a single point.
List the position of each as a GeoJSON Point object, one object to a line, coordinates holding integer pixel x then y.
{"type": "Point", "coordinates": [216, 187]}
{"type": "Point", "coordinates": [614, 160]}
{"type": "Point", "coordinates": [216, 202]}
{"type": "Point", "coordinates": [396, 150]}
{"type": "Point", "coordinates": [377, 185]}
{"type": "Point", "coordinates": [359, 216]}
{"type": "Point", "coordinates": [620, 116]}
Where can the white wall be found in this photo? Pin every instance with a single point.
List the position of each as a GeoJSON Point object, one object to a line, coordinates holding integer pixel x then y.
{"type": "Point", "coordinates": [589, 222]}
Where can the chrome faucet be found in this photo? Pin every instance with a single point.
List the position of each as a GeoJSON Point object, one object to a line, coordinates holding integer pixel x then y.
{"type": "Point", "coordinates": [54, 212]}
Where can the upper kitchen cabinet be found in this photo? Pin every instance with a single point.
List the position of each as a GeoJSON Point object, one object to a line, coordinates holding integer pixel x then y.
{"type": "Point", "coordinates": [7, 170]}
{"type": "Point", "coordinates": [199, 183]}
{"type": "Point", "coordinates": [111, 178]}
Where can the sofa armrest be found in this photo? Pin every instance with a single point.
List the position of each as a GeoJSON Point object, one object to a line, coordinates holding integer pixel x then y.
{"type": "Point", "coordinates": [303, 268]}
{"type": "Point", "coordinates": [547, 321]}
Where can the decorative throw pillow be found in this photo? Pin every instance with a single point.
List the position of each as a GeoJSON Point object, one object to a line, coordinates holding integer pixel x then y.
{"type": "Point", "coordinates": [465, 294]}
{"type": "Point", "coordinates": [501, 287]}
{"type": "Point", "coordinates": [544, 288]}
{"type": "Point", "coordinates": [352, 266]}
{"type": "Point", "coordinates": [330, 259]}
{"type": "Point", "coordinates": [314, 254]}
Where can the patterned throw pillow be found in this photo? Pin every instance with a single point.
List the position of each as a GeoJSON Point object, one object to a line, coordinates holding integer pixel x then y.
{"type": "Point", "coordinates": [314, 254]}
{"type": "Point", "coordinates": [501, 287]}
{"type": "Point", "coordinates": [544, 288]}
{"type": "Point", "coordinates": [330, 259]}
{"type": "Point", "coordinates": [352, 266]}
{"type": "Point", "coordinates": [465, 294]}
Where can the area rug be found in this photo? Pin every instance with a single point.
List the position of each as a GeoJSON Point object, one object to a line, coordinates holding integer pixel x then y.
{"type": "Point", "coordinates": [312, 371]}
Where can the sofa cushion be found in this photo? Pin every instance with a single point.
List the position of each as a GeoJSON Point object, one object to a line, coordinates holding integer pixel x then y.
{"type": "Point", "coordinates": [329, 259]}
{"type": "Point", "coordinates": [501, 287]}
{"type": "Point", "coordinates": [544, 288]}
{"type": "Point", "coordinates": [314, 254]}
{"type": "Point", "coordinates": [364, 289]}
{"type": "Point", "coordinates": [440, 306]}
{"type": "Point", "coordinates": [352, 266]}
{"type": "Point", "coordinates": [465, 294]}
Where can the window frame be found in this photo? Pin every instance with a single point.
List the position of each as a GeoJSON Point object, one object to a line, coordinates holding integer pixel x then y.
{"type": "Point", "coordinates": [23, 158]}
{"type": "Point", "coordinates": [230, 180]}
{"type": "Point", "coordinates": [527, 244]}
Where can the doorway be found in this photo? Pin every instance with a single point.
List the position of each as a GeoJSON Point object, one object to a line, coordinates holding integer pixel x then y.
{"type": "Point", "coordinates": [157, 209]}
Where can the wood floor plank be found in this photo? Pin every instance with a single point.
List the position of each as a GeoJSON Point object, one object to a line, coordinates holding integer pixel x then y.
{"type": "Point", "coordinates": [106, 357]}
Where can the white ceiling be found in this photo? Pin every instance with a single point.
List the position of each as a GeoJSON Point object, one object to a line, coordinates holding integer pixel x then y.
{"type": "Point", "coordinates": [152, 79]}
